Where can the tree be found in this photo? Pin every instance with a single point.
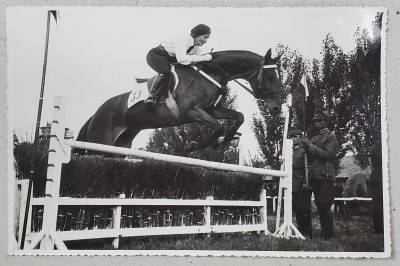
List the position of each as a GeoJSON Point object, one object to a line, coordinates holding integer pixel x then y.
{"type": "Point", "coordinates": [349, 87]}
{"type": "Point", "coordinates": [269, 133]}
{"type": "Point", "coordinates": [330, 90]}
{"type": "Point", "coordinates": [23, 150]}
{"type": "Point", "coordinates": [365, 95]}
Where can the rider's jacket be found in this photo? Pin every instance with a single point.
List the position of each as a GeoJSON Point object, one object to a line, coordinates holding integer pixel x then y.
{"type": "Point", "coordinates": [182, 47]}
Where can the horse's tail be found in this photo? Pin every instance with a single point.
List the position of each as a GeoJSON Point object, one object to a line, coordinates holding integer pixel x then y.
{"type": "Point", "coordinates": [82, 136]}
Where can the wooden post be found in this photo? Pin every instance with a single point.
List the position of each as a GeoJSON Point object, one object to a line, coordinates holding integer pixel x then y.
{"type": "Point", "coordinates": [208, 214]}
{"type": "Point", "coordinates": [20, 205]}
{"type": "Point", "coordinates": [117, 221]}
{"type": "Point", "coordinates": [287, 192]}
{"type": "Point", "coordinates": [279, 207]}
{"type": "Point", "coordinates": [283, 165]}
{"type": "Point", "coordinates": [287, 228]}
{"type": "Point", "coordinates": [263, 210]}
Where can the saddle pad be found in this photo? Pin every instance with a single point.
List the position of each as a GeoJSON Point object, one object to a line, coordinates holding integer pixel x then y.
{"type": "Point", "coordinates": [139, 93]}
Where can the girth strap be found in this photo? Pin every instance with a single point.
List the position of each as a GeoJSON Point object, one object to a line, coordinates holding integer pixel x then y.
{"type": "Point", "coordinates": [216, 83]}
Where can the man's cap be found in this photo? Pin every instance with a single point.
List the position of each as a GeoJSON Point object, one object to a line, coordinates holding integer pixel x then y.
{"type": "Point", "coordinates": [294, 132]}
{"type": "Point", "coordinates": [201, 29]}
{"type": "Point", "coordinates": [321, 115]}
{"type": "Point", "coordinates": [237, 135]}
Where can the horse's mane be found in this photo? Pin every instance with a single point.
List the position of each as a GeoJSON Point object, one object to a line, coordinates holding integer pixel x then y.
{"type": "Point", "coordinates": [228, 58]}
{"type": "Point", "coordinates": [229, 55]}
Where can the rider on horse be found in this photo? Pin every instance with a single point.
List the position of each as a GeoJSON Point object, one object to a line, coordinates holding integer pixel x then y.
{"type": "Point", "coordinates": [183, 50]}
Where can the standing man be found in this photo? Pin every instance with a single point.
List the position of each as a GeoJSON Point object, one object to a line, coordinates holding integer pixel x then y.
{"type": "Point", "coordinates": [232, 154]}
{"type": "Point", "coordinates": [301, 195]}
{"type": "Point", "coordinates": [322, 150]}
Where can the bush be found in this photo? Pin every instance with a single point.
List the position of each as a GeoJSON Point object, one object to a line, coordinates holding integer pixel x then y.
{"type": "Point", "coordinates": [95, 176]}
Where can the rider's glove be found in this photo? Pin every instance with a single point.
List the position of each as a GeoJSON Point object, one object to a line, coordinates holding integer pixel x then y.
{"type": "Point", "coordinates": [206, 57]}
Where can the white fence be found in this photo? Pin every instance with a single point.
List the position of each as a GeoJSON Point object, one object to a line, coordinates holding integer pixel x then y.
{"type": "Point", "coordinates": [60, 152]}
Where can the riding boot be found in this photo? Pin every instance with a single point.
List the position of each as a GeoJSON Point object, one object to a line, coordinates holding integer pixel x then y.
{"type": "Point", "coordinates": [155, 91]}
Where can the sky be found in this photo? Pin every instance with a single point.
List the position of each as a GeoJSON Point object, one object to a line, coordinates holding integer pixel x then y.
{"type": "Point", "coordinates": [96, 52]}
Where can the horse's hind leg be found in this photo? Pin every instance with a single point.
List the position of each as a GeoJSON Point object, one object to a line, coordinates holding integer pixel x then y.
{"type": "Point", "coordinates": [200, 116]}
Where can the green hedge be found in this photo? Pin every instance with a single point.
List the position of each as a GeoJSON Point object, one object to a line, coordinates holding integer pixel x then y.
{"type": "Point", "coordinates": [95, 176]}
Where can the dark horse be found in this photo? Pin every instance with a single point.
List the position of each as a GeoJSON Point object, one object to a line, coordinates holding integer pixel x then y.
{"type": "Point", "coordinates": [115, 124]}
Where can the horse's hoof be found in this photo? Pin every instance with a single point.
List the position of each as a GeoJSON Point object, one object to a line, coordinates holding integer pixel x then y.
{"type": "Point", "coordinates": [191, 146]}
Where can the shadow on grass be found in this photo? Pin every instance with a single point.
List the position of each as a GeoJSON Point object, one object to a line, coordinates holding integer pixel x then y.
{"type": "Point", "coordinates": [354, 234]}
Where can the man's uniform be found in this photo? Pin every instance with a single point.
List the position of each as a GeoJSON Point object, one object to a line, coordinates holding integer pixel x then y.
{"type": "Point", "coordinates": [301, 196]}
{"type": "Point", "coordinates": [322, 153]}
{"type": "Point", "coordinates": [231, 156]}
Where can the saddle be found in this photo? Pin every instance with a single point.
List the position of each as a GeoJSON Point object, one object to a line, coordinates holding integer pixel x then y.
{"type": "Point", "coordinates": [171, 84]}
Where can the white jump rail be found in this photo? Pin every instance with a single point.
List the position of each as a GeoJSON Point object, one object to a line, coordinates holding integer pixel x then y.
{"type": "Point", "coordinates": [60, 152]}
{"type": "Point", "coordinates": [173, 158]}
{"type": "Point", "coordinates": [117, 232]}
{"type": "Point", "coordinates": [353, 199]}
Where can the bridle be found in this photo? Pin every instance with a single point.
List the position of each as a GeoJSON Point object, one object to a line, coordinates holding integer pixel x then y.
{"type": "Point", "coordinates": [250, 73]}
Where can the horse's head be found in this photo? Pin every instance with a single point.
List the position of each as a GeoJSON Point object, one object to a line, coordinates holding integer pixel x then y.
{"type": "Point", "coordinates": [266, 84]}
{"type": "Point", "coordinates": [260, 72]}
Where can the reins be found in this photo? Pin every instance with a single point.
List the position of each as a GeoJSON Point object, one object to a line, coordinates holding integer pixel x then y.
{"type": "Point", "coordinates": [252, 73]}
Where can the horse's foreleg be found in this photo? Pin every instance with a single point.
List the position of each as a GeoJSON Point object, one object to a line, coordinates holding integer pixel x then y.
{"type": "Point", "coordinates": [198, 115]}
{"type": "Point", "coordinates": [126, 138]}
{"type": "Point", "coordinates": [226, 113]}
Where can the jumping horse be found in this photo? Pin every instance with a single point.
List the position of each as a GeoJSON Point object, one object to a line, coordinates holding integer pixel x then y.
{"type": "Point", "coordinates": [195, 96]}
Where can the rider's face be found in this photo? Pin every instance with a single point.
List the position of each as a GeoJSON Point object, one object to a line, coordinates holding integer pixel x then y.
{"type": "Point", "coordinates": [200, 40]}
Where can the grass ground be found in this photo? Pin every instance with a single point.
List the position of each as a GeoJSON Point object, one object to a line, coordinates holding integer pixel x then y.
{"type": "Point", "coordinates": [354, 234]}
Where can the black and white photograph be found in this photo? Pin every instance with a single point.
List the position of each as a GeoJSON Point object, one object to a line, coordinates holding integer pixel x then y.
{"type": "Point", "coordinates": [198, 131]}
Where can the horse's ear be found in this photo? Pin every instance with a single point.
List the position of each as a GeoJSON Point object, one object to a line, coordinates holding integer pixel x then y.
{"type": "Point", "coordinates": [276, 59]}
{"type": "Point", "coordinates": [268, 54]}
{"type": "Point", "coordinates": [268, 57]}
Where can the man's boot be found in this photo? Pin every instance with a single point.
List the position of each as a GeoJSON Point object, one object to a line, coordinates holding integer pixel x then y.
{"type": "Point", "coordinates": [157, 85]}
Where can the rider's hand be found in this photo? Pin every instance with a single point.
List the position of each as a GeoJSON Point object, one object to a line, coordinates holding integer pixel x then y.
{"type": "Point", "coordinates": [206, 57]}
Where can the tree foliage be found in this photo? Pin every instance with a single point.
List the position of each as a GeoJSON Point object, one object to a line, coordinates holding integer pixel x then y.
{"type": "Point", "coordinates": [365, 96]}
{"type": "Point", "coordinates": [329, 88]}
{"type": "Point", "coordinates": [23, 152]}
